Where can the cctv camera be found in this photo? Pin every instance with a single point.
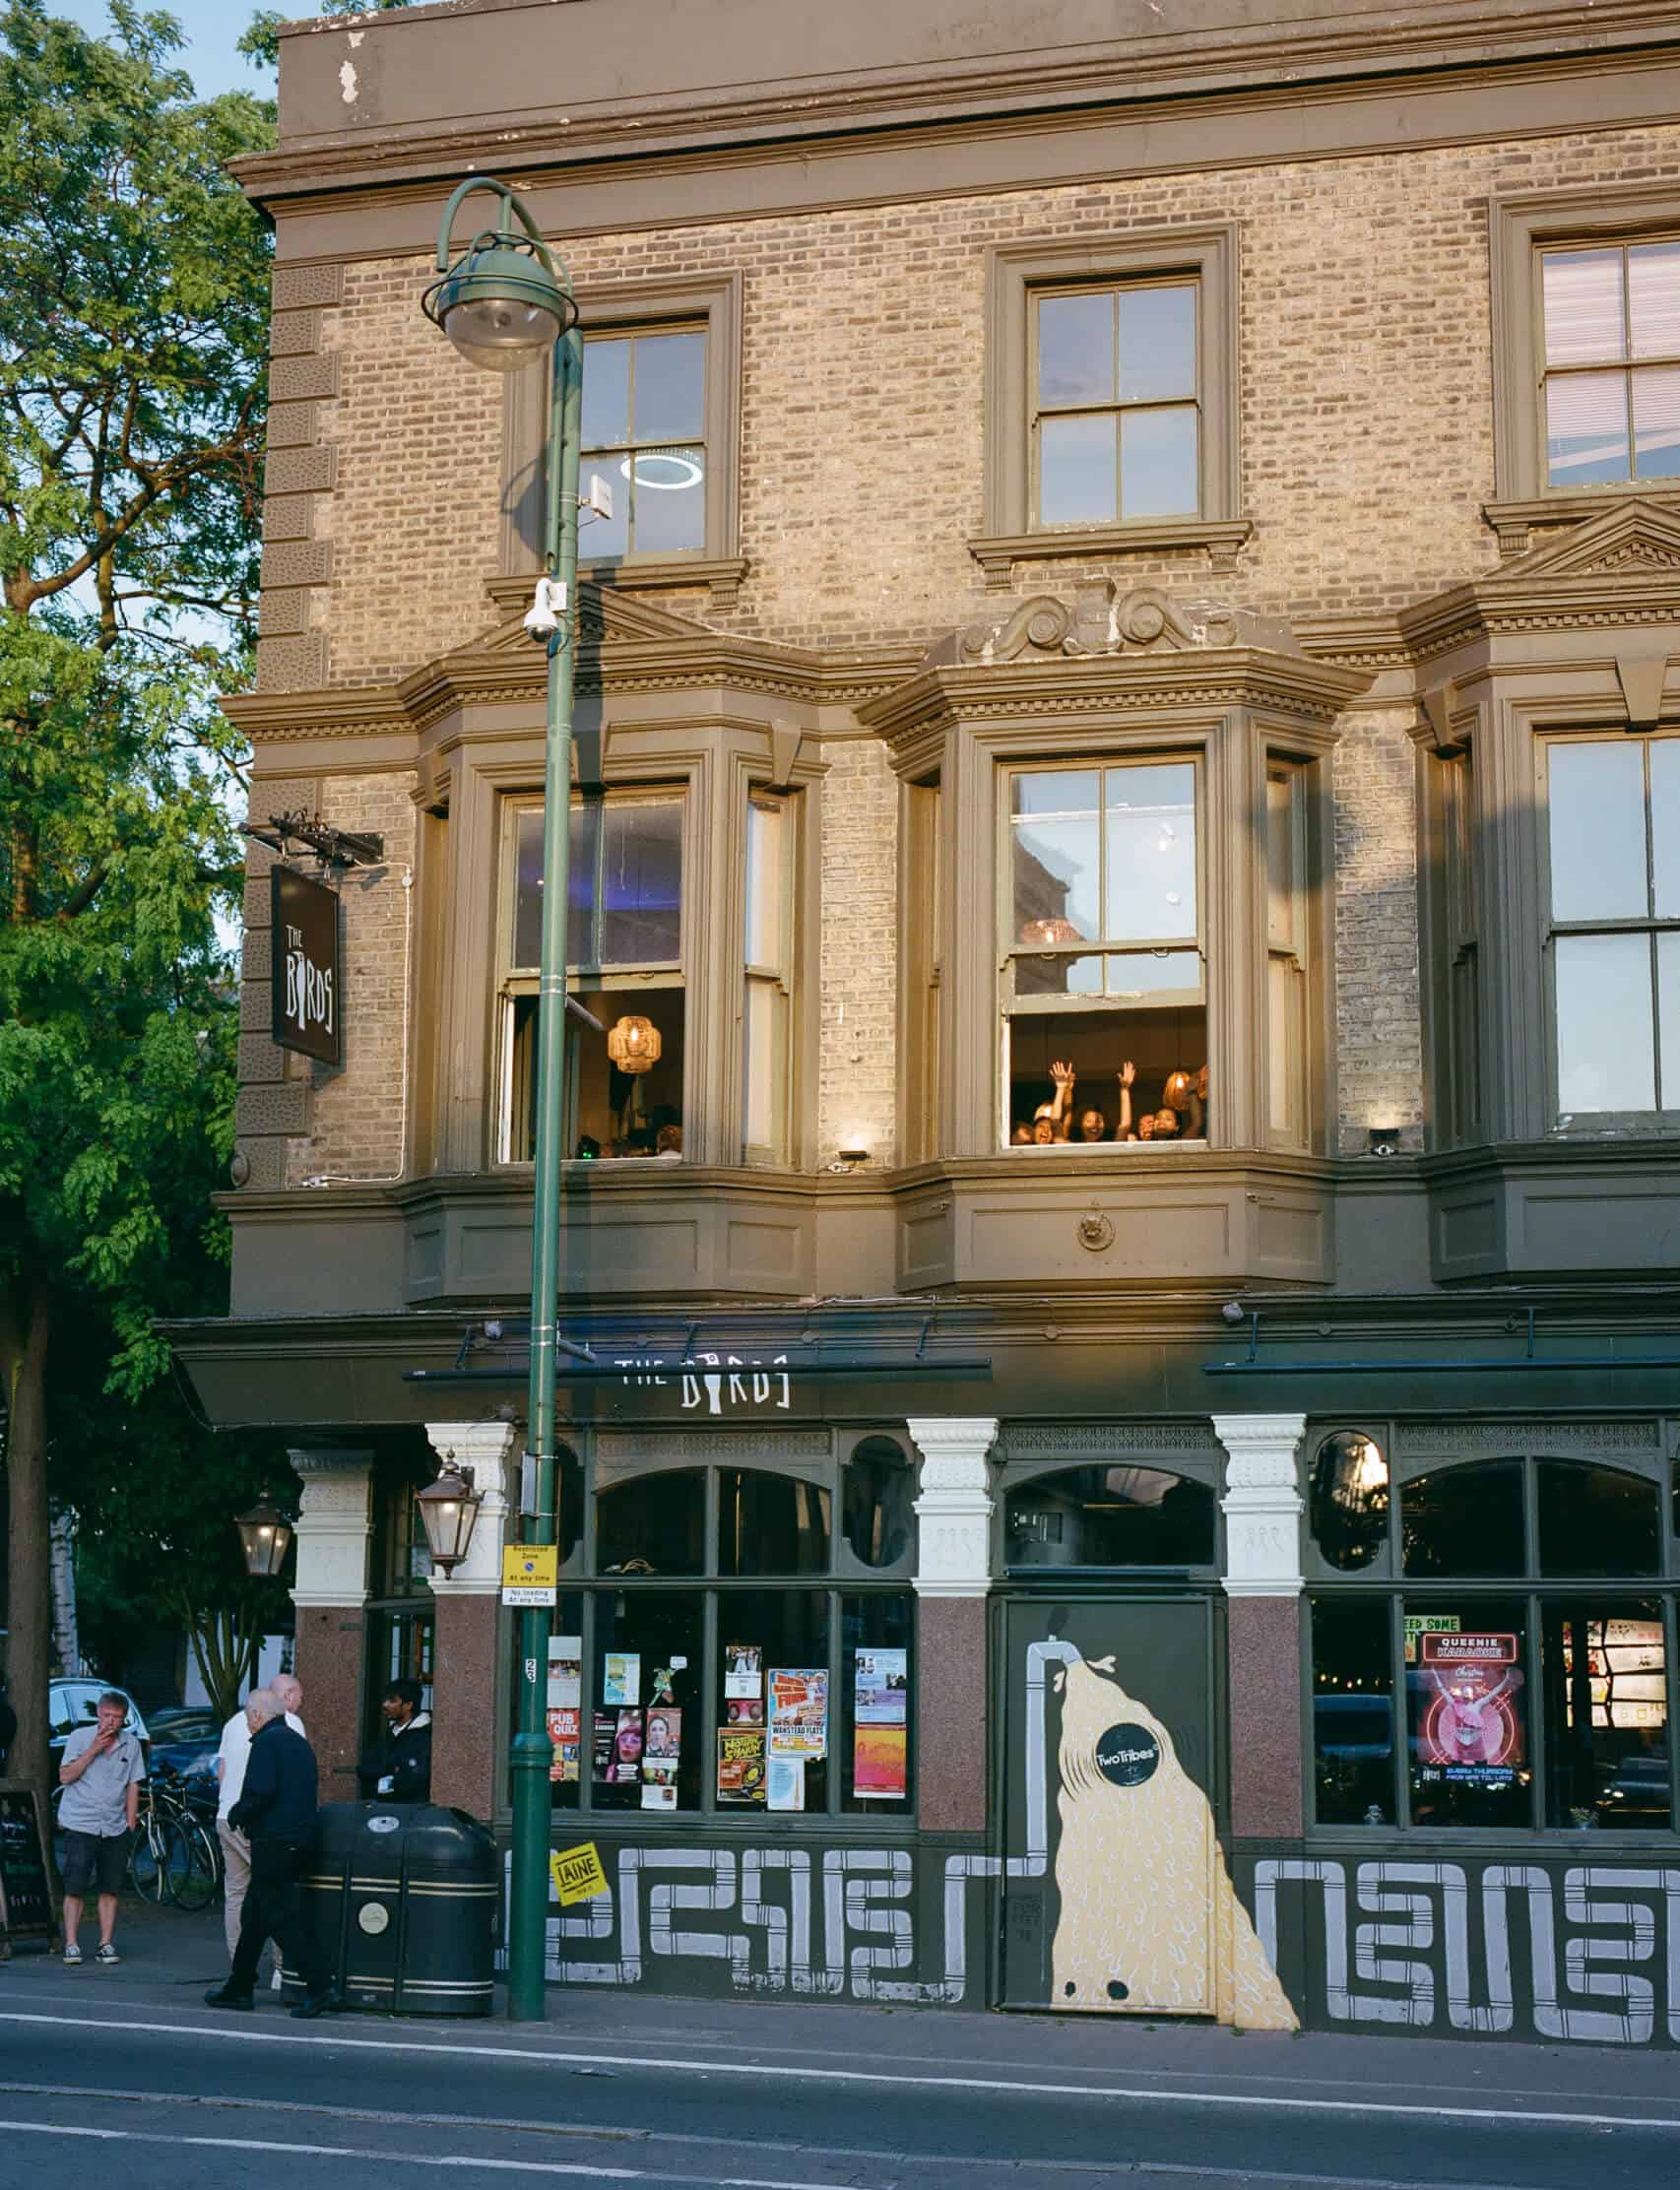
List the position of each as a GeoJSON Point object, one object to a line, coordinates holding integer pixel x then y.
{"type": "Point", "coordinates": [1232, 1311]}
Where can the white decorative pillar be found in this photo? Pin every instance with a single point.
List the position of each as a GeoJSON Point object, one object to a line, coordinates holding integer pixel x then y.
{"type": "Point", "coordinates": [481, 1452]}
{"type": "Point", "coordinates": [1262, 1620]}
{"type": "Point", "coordinates": [954, 1573]}
{"type": "Point", "coordinates": [335, 1521]}
{"type": "Point", "coordinates": [469, 1621]}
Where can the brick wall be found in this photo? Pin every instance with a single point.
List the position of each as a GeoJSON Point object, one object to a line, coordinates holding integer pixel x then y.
{"type": "Point", "coordinates": [1378, 1030]}
{"type": "Point", "coordinates": [858, 1067]}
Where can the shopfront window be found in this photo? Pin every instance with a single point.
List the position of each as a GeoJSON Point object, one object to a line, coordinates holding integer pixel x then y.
{"type": "Point", "coordinates": [1110, 1516]}
{"type": "Point", "coordinates": [1458, 1679]}
{"type": "Point", "coordinates": [723, 1652]}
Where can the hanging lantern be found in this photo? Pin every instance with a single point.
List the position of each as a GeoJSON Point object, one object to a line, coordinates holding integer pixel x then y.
{"type": "Point", "coordinates": [448, 1508]}
{"type": "Point", "coordinates": [634, 1044]}
{"type": "Point", "coordinates": [1177, 1092]}
{"type": "Point", "coordinates": [265, 1536]}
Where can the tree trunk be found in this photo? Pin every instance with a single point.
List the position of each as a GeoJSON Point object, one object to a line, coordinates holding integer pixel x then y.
{"type": "Point", "coordinates": [24, 1317]}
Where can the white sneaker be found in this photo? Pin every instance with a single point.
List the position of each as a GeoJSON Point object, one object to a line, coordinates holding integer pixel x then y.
{"type": "Point", "coordinates": [108, 1953]}
{"type": "Point", "coordinates": [72, 1953]}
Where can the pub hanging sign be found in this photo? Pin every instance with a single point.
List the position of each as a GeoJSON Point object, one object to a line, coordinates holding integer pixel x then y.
{"type": "Point", "coordinates": [306, 975]}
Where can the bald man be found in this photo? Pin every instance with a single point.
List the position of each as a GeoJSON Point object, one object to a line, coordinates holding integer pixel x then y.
{"type": "Point", "coordinates": [231, 1761]}
{"type": "Point", "coordinates": [277, 1810]}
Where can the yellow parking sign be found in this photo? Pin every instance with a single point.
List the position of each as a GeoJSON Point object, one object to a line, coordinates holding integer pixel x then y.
{"type": "Point", "coordinates": [577, 1874]}
{"type": "Point", "coordinates": [529, 1572]}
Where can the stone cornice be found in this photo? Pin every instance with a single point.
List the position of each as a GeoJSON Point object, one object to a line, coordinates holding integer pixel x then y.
{"type": "Point", "coordinates": [1210, 64]}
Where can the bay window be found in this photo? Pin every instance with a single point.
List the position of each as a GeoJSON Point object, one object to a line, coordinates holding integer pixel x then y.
{"type": "Point", "coordinates": [767, 953]}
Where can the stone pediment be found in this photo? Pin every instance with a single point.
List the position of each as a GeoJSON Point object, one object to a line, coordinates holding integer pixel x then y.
{"type": "Point", "coordinates": [606, 616]}
{"type": "Point", "coordinates": [1102, 619]}
{"type": "Point", "coordinates": [1637, 538]}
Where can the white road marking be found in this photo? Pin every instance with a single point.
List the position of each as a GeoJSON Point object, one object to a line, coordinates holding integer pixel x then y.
{"type": "Point", "coordinates": [399, 2159]}
{"type": "Point", "coordinates": [247, 2034]}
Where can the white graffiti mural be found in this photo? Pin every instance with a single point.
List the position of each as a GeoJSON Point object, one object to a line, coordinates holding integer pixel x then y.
{"type": "Point", "coordinates": [1443, 1944]}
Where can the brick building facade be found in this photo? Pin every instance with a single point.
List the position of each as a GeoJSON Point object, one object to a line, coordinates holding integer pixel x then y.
{"type": "Point", "coordinates": [875, 674]}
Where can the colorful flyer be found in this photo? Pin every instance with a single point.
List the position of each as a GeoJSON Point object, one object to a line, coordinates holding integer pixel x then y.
{"type": "Point", "coordinates": [565, 1671]}
{"type": "Point", "coordinates": [744, 1710]}
{"type": "Point", "coordinates": [798, 1711]}
{"type": "Point", "coordinates": [566, 1731]}
{"type": "Point", "coordinates": [627, 1749]}
{"type": "Point", "coordinates": [621, 1676]}
{"type": "Point", "coordinates": [786, 1783]}
{"type": "Point", "coordinates": [606, 1734]}
{"type": "Point", "coordinates": [664, 1739]}
{"type": "Point", "coordinates": [740, 1765]}
{"type": "Point", "coordinates": [881, 1689]}
{"type": "Point", "coordinates": [744, 1670]}
{"type": "Point", "coordinates": [880, 1762]}
{"type": "Point", "coordinates": [659, 1794]}
{"type": "Point", "coordinates": [1471, 1727]}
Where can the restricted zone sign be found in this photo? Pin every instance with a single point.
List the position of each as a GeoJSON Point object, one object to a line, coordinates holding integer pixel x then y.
{"type": "Point", "coordinates": [577, 1873]}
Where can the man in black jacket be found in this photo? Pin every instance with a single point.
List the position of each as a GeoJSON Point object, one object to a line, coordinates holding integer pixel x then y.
{"type": "Point", "coordinates": [400, 1769]}
{"type": "Point", "coordinates": [277, 1811]}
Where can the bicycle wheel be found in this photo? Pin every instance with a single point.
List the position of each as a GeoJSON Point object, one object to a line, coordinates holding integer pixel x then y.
{"type": "Point", "coordinates": [193, 1877]}
{"type": "Point", "coordinates": [148, 1863]}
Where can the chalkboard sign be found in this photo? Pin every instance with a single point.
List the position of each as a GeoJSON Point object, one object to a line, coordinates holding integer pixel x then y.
{"type": "Point", "coordinates": [26, 1909]}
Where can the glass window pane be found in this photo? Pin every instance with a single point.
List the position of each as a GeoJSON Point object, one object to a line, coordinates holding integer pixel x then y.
{"type": "Point", "coordinates": [1654, 299]}
{"type": "Point", "coordinates": [1054, 856]}
{"type": "Point", "coordinates": [1587, 428]}
{"type": "Point", "coordinates": [1280, 861]}
{"type": "Point", "coordinates": [1582, 301]}
{"type": "Point", "coordinates": [1150, 817]}
{"type": "Point", "coordinates": [766, 836]}
{"type": "Point", "coordinates": [1656, 423]}
{"type": "Point", "coordinates": [653, 1525]}
{"type": "Point", "coordinates": [1596, 1521]}
{"type": "Point", "coordinates": [1605, 1056]}
{"type": "Point", "coordinates": [1147, 973]}
{"type": "Point", "coordinates": [1158, 464]}
{"type": "Point", "coordinates": [605, 393]}
{"type": "Point", "coordinates": [528, 889]}
{"type": "Point", "coordinates": [1157, 342]}
{"type": "Point", "coordinates": [1166, 1048]}
{"type": "Point", "coordinates": [1464, 1520]}
{"type": "Point", "coordinates": [1665, 755]}
{"type": "Point", "coordinates": [1467, 1711]}
{"type": "Point", "coordinates": [1606, 1679]}
{"type": "Point", "coordinates": [763, 1045]}
{"type": "Point", "coordinates": [599, 537]}
{"type": "Point", "coordinates": [648, 1736]}
{"type": "Point", "coordinates": [584, 841]}
{"type": "Point", "coordinates": [1668, 1020]}
{"type": "Point", "coordinates": [670, 388]}
{"type": "Point", "coordinates": [641, 884]}
{"type": "Point", "coordinates": [878, 1670]}
{"type": "Point", "coordinates": [1076, 471]}
{"type": "Point", "coordinates": [1353, 1711]}
{"type": "Point", "coordinates": [1596, 801]}
{"type": "Point", "coordinates": [1110, 1516]}
{"type": "Point", "coordinates": [762, 1632]}
{"type": "Point", "coordinates": [669, 499]}
{"type": "Point", "coordinates": [1075, 350]}
{"type": "Point", "coordinates": [770, 1524]}
{"type": "Point", "coordinates": [1059, 975]}
{"type": "Point", "coordinates": [879, 1502]}
{"type": "Point", "coordinates": [1348, 1500]}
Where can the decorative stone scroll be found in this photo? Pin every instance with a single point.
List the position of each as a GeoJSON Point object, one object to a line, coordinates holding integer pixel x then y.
{"type": "Point", "coordinates": [1100, 619]}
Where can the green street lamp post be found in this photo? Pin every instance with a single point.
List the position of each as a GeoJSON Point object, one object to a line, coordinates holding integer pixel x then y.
{"type": "Point", "coordinates": [503, 303]}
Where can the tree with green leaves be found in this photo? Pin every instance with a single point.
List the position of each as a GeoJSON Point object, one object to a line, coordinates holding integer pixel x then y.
{"type": "Point", "coordinates": [133, 321]}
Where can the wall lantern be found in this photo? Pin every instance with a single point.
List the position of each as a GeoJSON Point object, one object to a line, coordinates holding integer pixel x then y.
{"type": "Point", "coordinates": [448, 1508]}
{"type": "Point", "coordinates": [634, 1044]}
{"type": "Point", "coordinates": [265, 1536]}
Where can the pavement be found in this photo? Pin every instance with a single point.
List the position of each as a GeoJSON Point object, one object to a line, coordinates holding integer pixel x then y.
{"type": "Point", "coordinates": [125, 2071]}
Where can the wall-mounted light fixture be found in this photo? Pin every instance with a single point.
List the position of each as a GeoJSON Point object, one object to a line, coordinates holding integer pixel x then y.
{"type": "Point", "coordinates": [1383, 1140]}
{"type": "Point", "coordinates": [853, 1153]}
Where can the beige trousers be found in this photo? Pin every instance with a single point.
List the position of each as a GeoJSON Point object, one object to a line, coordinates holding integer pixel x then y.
{"type": "Point", "coordinates": [236, 1869]}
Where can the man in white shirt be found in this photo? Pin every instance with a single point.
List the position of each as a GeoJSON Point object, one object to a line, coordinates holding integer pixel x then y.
{"type": "Point", "coordinates": [231, 1762]}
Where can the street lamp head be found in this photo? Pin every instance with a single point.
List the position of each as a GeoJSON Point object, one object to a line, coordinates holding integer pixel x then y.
{"type": "Point", "coordinates": [265, 1536]}
{"type": "Point", "coordinates": [503, 301]}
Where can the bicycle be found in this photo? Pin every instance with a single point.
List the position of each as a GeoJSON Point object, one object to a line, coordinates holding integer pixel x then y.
{"type": "Point", "coordinates": [174, 1857]}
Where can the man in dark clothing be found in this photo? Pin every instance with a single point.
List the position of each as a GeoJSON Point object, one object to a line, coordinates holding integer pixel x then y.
{"type": "Point", "coordinates": [276, 1808]}
{"type": "Point", "coordinates": [8, 1725]}
{"type": "Point", "coordinates": [401, 1767]}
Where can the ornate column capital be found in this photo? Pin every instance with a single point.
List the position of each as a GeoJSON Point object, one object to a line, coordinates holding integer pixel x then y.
{"type": "Point", "coordinates": [955, 1507]}
{"type": "Point", "coordinates": [1262, 1502]}
{"type": "Point", "coordinates": [482, 1452]}
{"type": "Point", "coordinates": [334, 1524]}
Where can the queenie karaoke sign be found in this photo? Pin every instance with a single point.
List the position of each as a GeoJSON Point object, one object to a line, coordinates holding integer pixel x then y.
{"type": "Point", "coordinates": [306, 975]}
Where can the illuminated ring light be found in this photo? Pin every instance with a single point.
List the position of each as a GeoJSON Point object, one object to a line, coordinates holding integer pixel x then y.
{"type": "Point", "coordinates": [692, 473]}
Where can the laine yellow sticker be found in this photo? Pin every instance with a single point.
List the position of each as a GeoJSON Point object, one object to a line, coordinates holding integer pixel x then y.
{"type": "Point", "coordinates": [577, 1873]}
{"type": "Point", "coordinates": [529, 1572]}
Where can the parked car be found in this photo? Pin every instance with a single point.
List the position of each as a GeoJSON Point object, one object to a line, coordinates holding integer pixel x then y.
{"type": "Point", "coordinates": [73, 1703]}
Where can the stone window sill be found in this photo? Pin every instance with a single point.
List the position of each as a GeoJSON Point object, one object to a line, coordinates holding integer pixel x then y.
{"type": "Point", "coordinates": [722, 573]}
{"type": "Point", "coordinates": [996, 553]}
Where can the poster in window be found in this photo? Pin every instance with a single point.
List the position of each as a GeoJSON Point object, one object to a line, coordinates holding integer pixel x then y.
{"type": "Point", "coordinates": [603, 1747]}
{"type": "Point", "coordinates": [565, 1671]}
{"type": "Point", "coordinates": [1470, 1729]}
{"type": "Point", "coordinates": [881, 1735]}
{"type": "Point", "coordinates": [786, 1783]}
{"type": "Point", "coordinates": [744, 1672]}
{"type": "Point", "coordinates": [740, 1764]}
{"type": "Point", "coordinates": [882, 1687]}
{"type": "Point", "coordinates": [627, 1749]}
{"type": "Point", "coordinates": [566, 1731]}
{"type": "Point", "coordinates": [622, 1677]}
{"type": "Point", "coordinates": [798, 1711]}
{"type": "Point", "coordinates": [662, 1754]}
